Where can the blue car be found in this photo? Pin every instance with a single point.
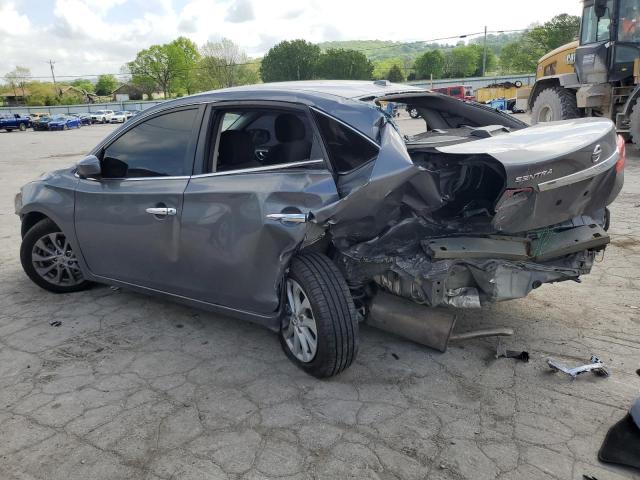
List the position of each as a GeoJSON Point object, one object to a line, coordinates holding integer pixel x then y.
{"type": "Point", "coordinates": [64, 122]}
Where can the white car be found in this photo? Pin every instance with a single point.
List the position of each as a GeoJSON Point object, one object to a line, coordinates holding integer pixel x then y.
{"type": "Point", "coordinates": [101, 116]}
{"type": "Point", "coordinates": [120, 117]}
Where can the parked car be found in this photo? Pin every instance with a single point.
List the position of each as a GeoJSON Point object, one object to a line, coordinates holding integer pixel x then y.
{"type": "Point", "coordinates": [85, 118]}
{"type": "Point", "coordinates": [134, 114]}
{"type": "Point", "coordinates": [41, 123]}
{"type": "Point", "coordinates": [10, 122]}
{"type": "Point", "coordinates": [64, 122]}
{"type": "Point", "coordinates": [38, 115]}
{"type": "Point", "coordinates": [120, 117]}
{"type": "Point", "coordinates": [101, 116]}
{"type": "Point", "coordinates": [300, 206]}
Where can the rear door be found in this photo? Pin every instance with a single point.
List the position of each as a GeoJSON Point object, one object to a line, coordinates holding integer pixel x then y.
{"type": "Point", "coordinates": [244, 213]}
{"type": "Point", "coordinates": [128, 221]}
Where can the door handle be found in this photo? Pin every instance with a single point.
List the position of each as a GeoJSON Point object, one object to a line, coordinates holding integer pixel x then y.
{"type": "Point", "coordinates": [288, 217]}
{"type": "Point", "coordinates": [161, 211]}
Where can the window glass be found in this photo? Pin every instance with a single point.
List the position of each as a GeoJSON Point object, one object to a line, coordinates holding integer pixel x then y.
{"type": "Point", "coordinates": [629, 24]}
{"type": "Point", "coordinates": [347, 149]}
{"type": "Point", "coordinates": [154, 148]}
{"type": "Point", "coordinates": [455, 91]}
{"type": "Point", "coordinates": [595, 29]}
{"type": "Point", "coordinates": [256, 137]}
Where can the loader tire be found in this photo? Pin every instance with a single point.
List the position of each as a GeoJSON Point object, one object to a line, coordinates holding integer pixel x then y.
{"type": "Point", "coordinates": [634, 124]}
{"type": "Point", "coordinates": [555, 103]}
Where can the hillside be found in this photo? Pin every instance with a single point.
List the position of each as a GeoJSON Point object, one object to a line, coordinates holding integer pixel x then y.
{"type": "Point", "coordinates": [385, 49]}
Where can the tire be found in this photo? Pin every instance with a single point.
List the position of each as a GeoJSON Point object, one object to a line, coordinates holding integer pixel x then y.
{"type": "Point", "coordinates": [65, 127]}
{"type": "Point", "coordinates": [330, 308]}
{"type": "Point", "coordinates": [554, 103]}
{"type": "Point", "coordinates": [104, 120]}
{"type": "Point", "coordinates": [413, 113]}
{"type": "Point", "coordinates": [23, 127]}
{"type": "Point", "coordinates": [71, 278]}
{"type": "Point", "coordinates": [634, 124]}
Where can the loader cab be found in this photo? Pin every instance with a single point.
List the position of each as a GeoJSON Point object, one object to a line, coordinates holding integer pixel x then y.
{"type": "Point", "coordinates": [609, 41]}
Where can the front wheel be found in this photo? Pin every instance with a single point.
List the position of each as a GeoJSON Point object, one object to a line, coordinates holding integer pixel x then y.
{"type": "Point", "coordinates": [554, 103]}
{"type": "Point", "coordinates": [319, 331]}
{"type": "Point", "coordinates": [49, 261]}
{"type": "Point", "coordinates": [413, 113]}
{"type": "Point", "coordinates": [22, 127]}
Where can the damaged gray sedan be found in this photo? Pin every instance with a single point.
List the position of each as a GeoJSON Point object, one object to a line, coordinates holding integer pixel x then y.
{"type": "Point", "coordinates": [301, 206]}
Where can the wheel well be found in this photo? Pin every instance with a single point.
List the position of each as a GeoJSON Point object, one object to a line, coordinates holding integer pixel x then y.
{"type": "Point", "coordinates": [29, 220]}
{"type": "Point", "coordinates": [539, 86]}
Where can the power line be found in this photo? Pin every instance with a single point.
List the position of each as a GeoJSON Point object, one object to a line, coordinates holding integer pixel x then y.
{"type": "Point", "coordinates": [394, 45]}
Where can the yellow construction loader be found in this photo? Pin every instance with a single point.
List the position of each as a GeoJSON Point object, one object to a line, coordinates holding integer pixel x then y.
{"type": "Point", "coordinates": [597, 75]}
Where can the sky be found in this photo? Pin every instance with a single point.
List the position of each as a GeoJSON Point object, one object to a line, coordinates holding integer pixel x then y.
{"type": "Point", "coordinates": [91, 37]}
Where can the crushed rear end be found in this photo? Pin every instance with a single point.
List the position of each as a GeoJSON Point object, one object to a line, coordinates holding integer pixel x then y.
{"type": "Point", "coordinates": [474, 214]}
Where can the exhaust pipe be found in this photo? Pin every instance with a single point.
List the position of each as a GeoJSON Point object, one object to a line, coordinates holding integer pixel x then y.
{"type": "Point", "coordinates": [432, 327]}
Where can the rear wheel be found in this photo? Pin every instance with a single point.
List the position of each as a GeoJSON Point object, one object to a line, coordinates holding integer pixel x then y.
{"type": "Point", "coordinates": [413, 113]}
{"type": "Point", "coordinates": [554, 103]}
{"type": "Point", "coordinates": [319, 331]}
{"type": "Point", "coordinates": [48, 259]}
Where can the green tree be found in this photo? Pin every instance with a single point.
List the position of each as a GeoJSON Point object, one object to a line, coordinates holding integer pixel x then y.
{"type": "Point", "coordinates": [17, 79]}
{"type": "Point", "coordinates": [290, 60]}
{"type": "Point", "coordinates": [85, 84]}
{"type": "Point", "coordinates": [184, 56]}
{"type": "Point", "coordinates": [170, 67]}
{"type": "Point", "coordinates": [522, 55]}
{"type": "Point", "coordinates": [429, 63]}
{"type": "Point", "coordinates": [395, 74]}
{"type": "Point", "coordinates": [224, 64]}
{"type": "Point", "coordinates": [479, 52]}
{"type": "Point", "coordinates": [106, 84]}
{"type": "Point", "coordinates": [344, 64]}
{"type": "Point", "coordinates": [461, 61]}
{"type": "Point", "coordinates": [559, 30]}
{"type": "Point", "coordinates": [519, 57]}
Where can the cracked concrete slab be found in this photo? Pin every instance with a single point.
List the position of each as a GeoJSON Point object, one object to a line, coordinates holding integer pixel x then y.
{"type": "Point", "coordinates": [131, 387]}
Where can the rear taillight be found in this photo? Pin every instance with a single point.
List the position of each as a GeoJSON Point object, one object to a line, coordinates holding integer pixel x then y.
{"type": "Point", "coordinates": [622, 154]}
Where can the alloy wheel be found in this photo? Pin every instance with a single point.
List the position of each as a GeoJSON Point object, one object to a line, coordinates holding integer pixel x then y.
{"type": "Point", "coordinates": [55, 261]}
{"type": "Point", "coordinates": [301, 333]}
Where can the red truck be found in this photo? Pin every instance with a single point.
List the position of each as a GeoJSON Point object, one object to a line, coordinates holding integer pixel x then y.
{"type": "Point", "coordinates": [462, 92]}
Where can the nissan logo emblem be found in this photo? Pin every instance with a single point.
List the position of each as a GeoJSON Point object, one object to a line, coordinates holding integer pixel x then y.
{"type": "Point", "coordinates": [597, 152]}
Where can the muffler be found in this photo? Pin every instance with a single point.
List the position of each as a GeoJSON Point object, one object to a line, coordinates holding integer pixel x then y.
{"type": "Point", "coordinates": [432, 327]}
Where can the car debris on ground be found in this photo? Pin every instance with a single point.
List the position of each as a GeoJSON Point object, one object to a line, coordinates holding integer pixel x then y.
{"type": "Point", "coordinates": [595, 365]}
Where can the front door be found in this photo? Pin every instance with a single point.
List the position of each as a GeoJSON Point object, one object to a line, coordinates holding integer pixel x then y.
{"type": "Point", "coordinates": [244, 216]}
{"type": "Point", "coordinates": [128, 221]}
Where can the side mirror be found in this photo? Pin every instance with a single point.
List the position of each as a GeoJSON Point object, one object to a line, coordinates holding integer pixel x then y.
{"type": "Point", "coordinates": [88, 167]}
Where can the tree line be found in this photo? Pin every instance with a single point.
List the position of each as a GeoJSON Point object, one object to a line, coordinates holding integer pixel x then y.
{"type": "Point", "coordinates": [181, 67]}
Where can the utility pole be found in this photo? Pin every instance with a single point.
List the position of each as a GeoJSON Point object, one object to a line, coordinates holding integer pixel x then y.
{"type": "Point", "coordinates": [484, 54]}
{"type": "Point", "coordinates": [55, 86]}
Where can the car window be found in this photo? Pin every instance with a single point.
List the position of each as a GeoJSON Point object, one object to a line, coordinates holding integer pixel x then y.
{"type": "Point", "coordinates": [347, 149]}
{"type": "Point", "coordinates": [261, 137]}
{"type": "Point", "coordinates": [154, 148]}
{"type": "Point", "coordinates": [595, 29]}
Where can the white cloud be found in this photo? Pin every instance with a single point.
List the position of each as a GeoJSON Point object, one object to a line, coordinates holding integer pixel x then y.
{"type": "Point", "coordinates": [12, 22]}
{"type": "Point", "coordinates": [80, 36]}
